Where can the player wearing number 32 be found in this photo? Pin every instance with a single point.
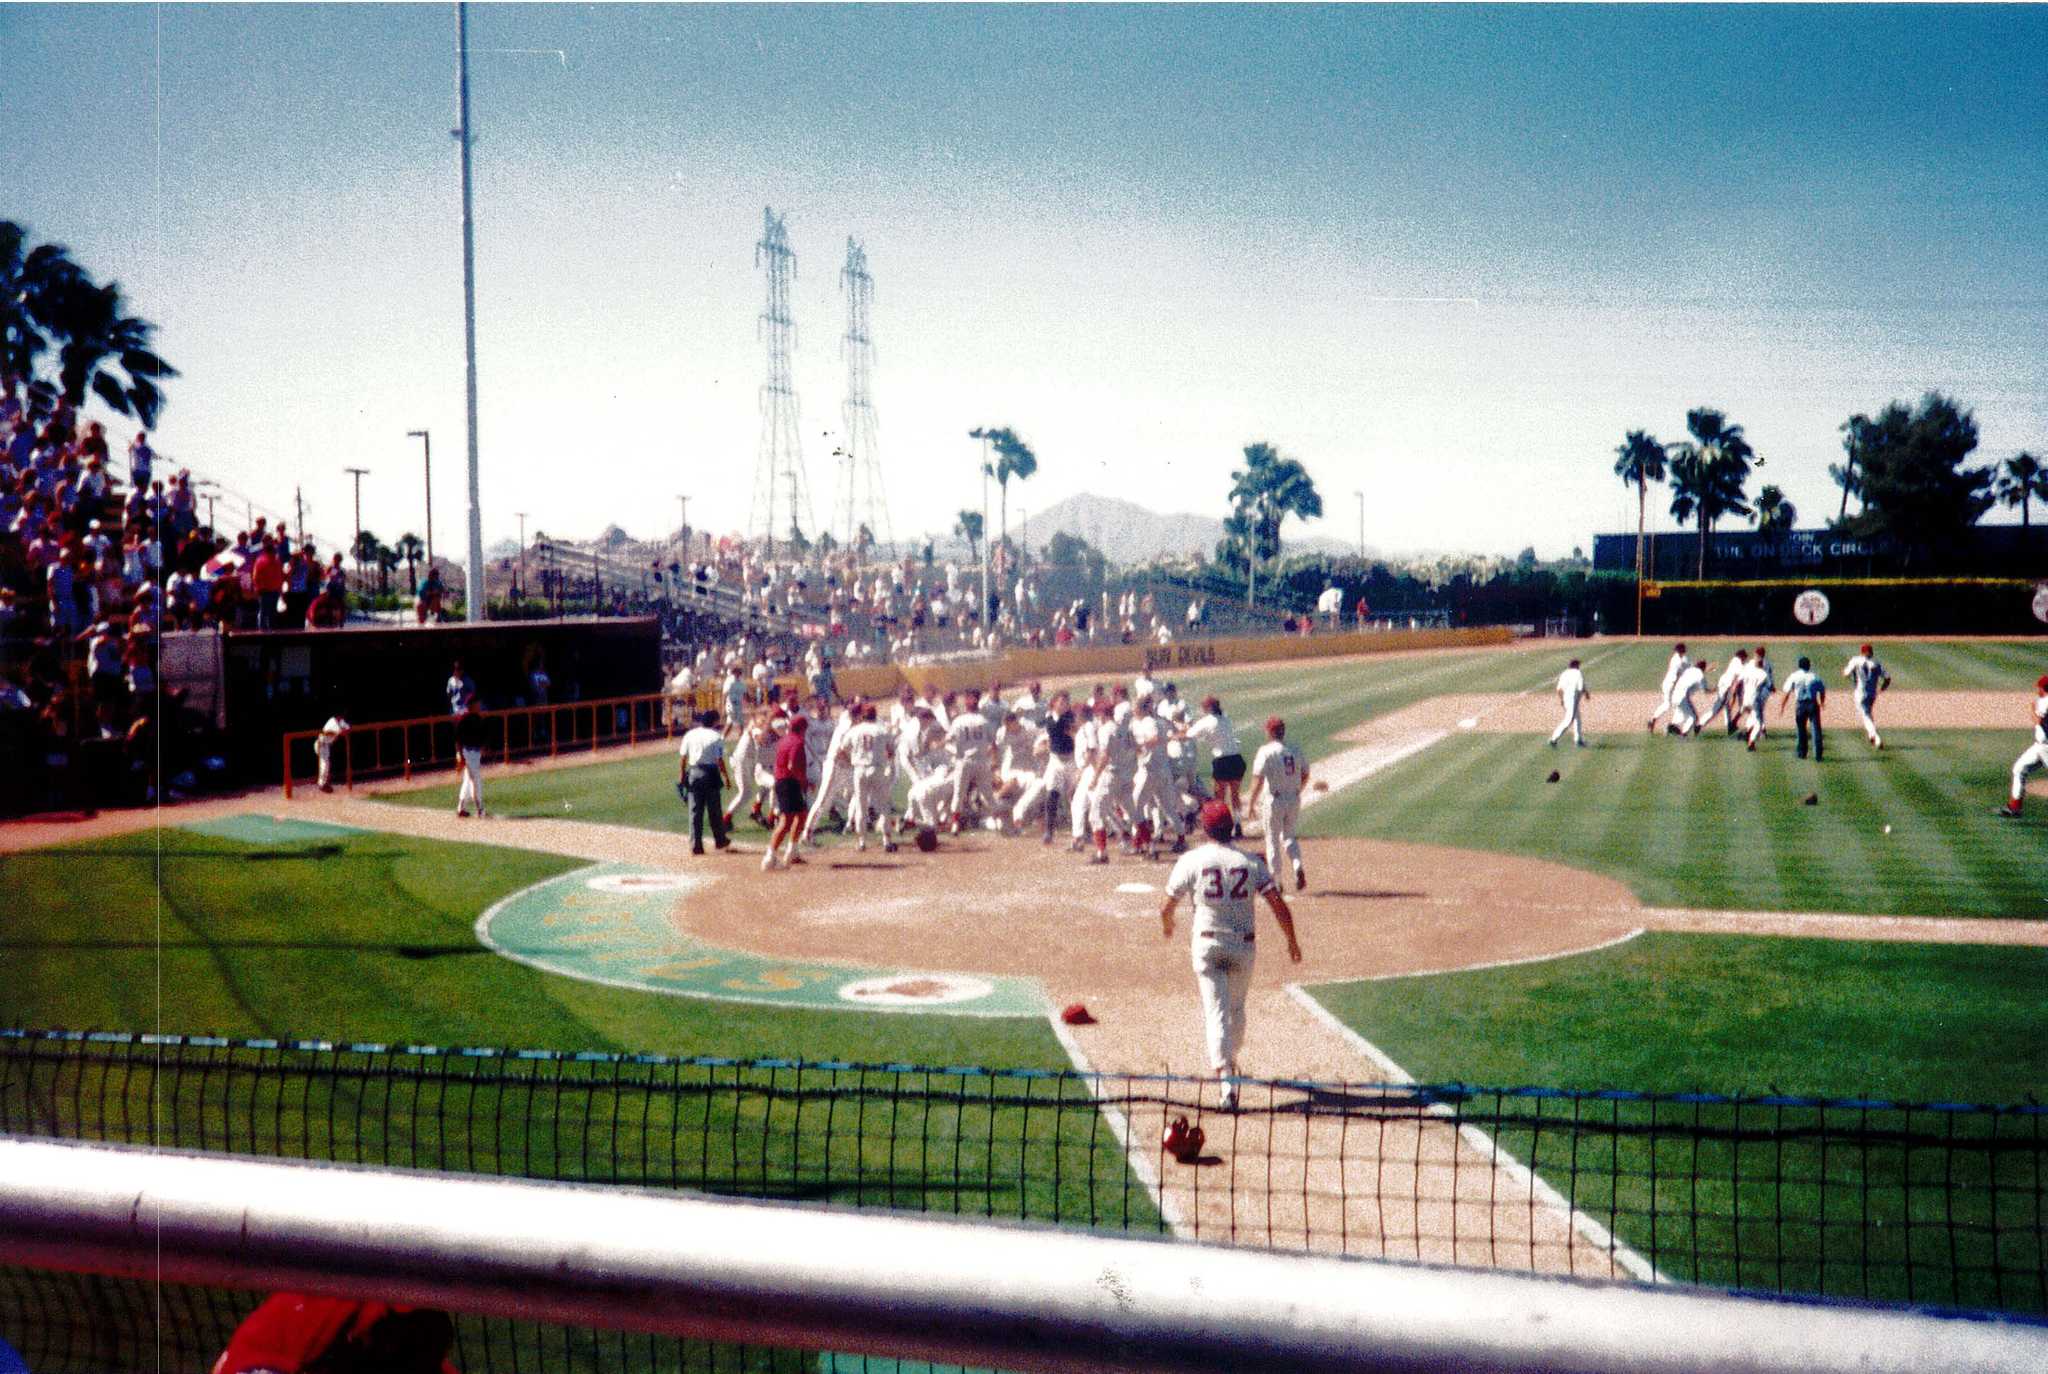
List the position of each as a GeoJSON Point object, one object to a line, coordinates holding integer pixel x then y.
{"type": "Point", "coordinates": [1223, 882]}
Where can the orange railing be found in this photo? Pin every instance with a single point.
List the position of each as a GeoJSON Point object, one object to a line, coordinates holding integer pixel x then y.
{"type": "Point", "coordinates": [388, 748]}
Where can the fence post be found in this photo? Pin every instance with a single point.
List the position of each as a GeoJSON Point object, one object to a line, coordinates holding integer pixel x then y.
{"type": "Point", "coordinates": [287, 747]}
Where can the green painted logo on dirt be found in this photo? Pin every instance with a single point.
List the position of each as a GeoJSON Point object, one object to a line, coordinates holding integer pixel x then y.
{"type": "Point", "coordinates": [610, 923]}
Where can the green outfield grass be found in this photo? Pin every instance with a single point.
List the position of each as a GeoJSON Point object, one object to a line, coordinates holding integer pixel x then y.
{"type": "Point", "coordinates": [371, 937]}
{"type": "Point", "coordinates": [1904, 1204]}
{"type": "Point", "coordinates": [1993, 665]}
{"type": "Point", "coordinates": [1705, 823]}
{"type": "Point", "coordinates": [1729, 1014]}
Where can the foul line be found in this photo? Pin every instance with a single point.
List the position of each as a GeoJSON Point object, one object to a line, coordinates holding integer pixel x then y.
{"type": "Point", "coordinates": [1618, 1253]}
{"type": "Point", "coordinates": [1139, 1159]}
{"type": "Point", "coordinates": [1491, 964]}
{"type": "Point", "coordinates": [1367, 765]}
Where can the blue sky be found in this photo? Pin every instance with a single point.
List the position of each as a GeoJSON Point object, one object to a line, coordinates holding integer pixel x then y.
{"type": "Point", "coordinates": [1142, 237]}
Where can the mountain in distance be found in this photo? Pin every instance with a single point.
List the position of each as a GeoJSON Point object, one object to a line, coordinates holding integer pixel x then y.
{"type": "Point", "coordinates": [1128, 533]}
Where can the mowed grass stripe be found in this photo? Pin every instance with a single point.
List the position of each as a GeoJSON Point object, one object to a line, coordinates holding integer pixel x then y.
{"type": "Point", "coordinates": [1705, 823]}
{"type": "Point", "coordinates": [1915, 665]}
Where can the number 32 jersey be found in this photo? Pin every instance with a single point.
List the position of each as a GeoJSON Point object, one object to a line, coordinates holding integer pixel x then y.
{"type": "Point", "coordinates": [1224, 883]}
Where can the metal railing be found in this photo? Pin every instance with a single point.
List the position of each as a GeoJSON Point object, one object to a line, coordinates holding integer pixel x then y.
{"type": "Point", "coordinates": [794, 1279]}
{"type": "Point", "coordinates": [399, 748]}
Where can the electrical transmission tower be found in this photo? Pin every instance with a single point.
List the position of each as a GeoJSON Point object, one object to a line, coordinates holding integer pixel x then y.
{"type": "Point", "coordinates": [782, 505]}
{"type": "Point", "coordinates": [862, 502]}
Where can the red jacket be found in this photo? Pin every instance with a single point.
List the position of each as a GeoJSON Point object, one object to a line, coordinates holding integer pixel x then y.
{"type": "Point", "coordinates": [791, 759]}
{"type": "Point", "coordinates": [267, 576]}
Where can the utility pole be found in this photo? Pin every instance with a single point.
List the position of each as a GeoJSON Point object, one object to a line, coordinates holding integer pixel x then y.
{"type": "Point", "coordinates": [1361, 524]}
{"type": "Point", "coordinates": [356, 549]}
{"type": "Point", "coordinates": [683, 533]}
{"type": "Point", "coordinates": [427, 442]}
{"type": "Point", "coordinates": [981, 618]}
{"type": "Point", "coordinates": [299, 506]}
{"type": "Point", "coordinates": [474, 594]}
{"type": "Point", "coordinates": [779, 463]}
{"type": "Point", "coordinates": [522, 556]}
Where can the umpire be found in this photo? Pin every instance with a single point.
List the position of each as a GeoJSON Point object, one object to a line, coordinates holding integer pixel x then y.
{"type": "Point", "coordinates": [1806, 693]}
{"type": "Point", "coordinates": [704, 777]}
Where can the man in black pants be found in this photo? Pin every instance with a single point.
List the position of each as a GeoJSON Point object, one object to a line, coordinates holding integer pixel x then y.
{"type": "Point", "coordinates": [703, 778]}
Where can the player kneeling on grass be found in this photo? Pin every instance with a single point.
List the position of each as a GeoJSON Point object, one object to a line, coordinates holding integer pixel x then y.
{"type": "Point", "coordinates": [1223, 882]}
{"type": "Point", "coordinates": [2036, 755]}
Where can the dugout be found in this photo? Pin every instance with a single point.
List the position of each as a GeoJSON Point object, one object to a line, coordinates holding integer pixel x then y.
{"type": "Point", "coordinates": [269, 682]}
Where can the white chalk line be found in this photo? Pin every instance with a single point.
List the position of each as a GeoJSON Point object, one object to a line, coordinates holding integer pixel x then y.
{"type": "Point", "coordinates": [1618, 1253]}
{"type": "Point", "coordinates": [1497, 963]}
{"type": "Point", "coordinates": [1120, 1126]}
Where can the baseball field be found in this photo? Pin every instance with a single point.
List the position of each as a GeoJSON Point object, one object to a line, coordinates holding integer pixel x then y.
{"type": "Point", "coordinates": [1666, 917]}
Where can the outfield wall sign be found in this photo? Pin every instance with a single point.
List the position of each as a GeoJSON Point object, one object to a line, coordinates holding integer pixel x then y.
{"type": "Point", "coordinates": [614, 924]}
{"type": "Point", "coordinates": [2041, 603]}
{"type": "Point", "coordinates": [1810, 607]}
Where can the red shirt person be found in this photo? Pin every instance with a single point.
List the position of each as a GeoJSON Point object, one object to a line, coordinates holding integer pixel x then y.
{"type": "Point", "coordinates": [792, 776]}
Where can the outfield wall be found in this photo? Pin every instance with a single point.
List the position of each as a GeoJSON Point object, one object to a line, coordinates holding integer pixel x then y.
{"type": "Point", "coordinates": [1127, 660]}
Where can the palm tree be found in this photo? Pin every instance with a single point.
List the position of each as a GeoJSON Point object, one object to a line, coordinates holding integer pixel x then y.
{"type": "Point", "coordinates": [2023, 481]}
{"type": "Point", "coordinates": [1773, 514]}
{"type": "Point", "coordinates": [411, 550]}
{"type": "Point", "coordinates": [387, 563]}
{"type": "Point", "coordinates": [1264, 492]}
{"type": "Point", "coordinates": [1710, 474]}
{"type": "Point", "coordinates": [1639, 461]}
{"type": "Point", "coordinates": [1014, 458]}
{"type": "Point", "coordinates": [968, 527]}
{"type": "Point", "coordinates": [365, 550]}
{"type": "Point", "coordinates": [29, 279]}
{"type": "Point", "coordinates": [99, 338]}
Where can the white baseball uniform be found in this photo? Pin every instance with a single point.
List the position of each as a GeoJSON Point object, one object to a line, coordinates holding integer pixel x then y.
{"type": "Point", "coordinates": [1866, 675]}
{"type": "Point", "coordinates": [1676, 666]}
{"type": "Point", "coordinates": [1087, 735]}
{"type": "Point", "coordinates": [1280, 767]}
{"type": "Point", "coordinates": [1727, 695]}
{"type": "Point", "coordinates": [1758, 684]}
{"type": "Point", "coordinates": [323, 747]}
{"type": "Point", "coordinates": [867, 752]}
{"type": "Point", "coordinates": [1154, 797]}
{"type": "Point", "coordinates": [973, 776]}
{"type": "Point", "coordinates": [1685, 718]}
{"type": "Point", "coordinates": [1571, 689]}
{"type": "Point", "coordinates": [2037, 755]}
{"type": "Point", "coordinates": [1116, 773]}
{"type": "Point", "coordinates": [834, 782]}
{"type": "Point", "coordinates": [1225, 883]}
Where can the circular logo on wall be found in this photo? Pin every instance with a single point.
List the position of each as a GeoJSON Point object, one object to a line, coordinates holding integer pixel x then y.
{"type": "Point", "coordinates": [2041, 602]}
{"type": "Point", "coordinates": [914, 990]}
{"type": "Point", "coordinates": [1810, 607]}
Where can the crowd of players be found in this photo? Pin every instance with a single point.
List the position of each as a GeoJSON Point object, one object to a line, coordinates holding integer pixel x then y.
{"type": "Point", "coordinates": [1120, 764]}
{"type": "Point", "coordinates": [1742, 696]}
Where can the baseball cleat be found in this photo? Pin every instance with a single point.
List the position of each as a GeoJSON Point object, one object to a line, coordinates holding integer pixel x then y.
{"type": "Point", "coordinates": [861, 844]}
{"type": "Point", "coordinates": [1300, 879]}
{"type": "Point", "coordinates": [1229, 1096]}
{"type": "Point", "coordinates": [462, 815]}
{"type": "Point", "coordinates": [768, 861]}
{"type": "Point", "coordinates": [889, 847]}
{"type": "Point", "coordinates": [2007, 813]}
{"type": "Point", "coordinates": [795, 859]}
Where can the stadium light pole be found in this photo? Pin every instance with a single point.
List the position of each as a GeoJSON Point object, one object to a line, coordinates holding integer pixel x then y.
{"type": "Point", "coordinates": [522, 555]}
{"type": "Point", "coordinates": [1361, 525]}
{"type": "Point", "coordinates": [427, 444]}
{"type": "Point", "coordinates": [474, 583]}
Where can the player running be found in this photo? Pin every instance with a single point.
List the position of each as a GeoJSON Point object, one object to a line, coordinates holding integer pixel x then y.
{"type": "Point", "coordinates": [1571, 694]}
{"type": "Point", "coordinates": [1226, 760]}
{"type": "Point", "coordinates": [2035, 757]}
{"type": "Point", "coordinates": [1869, 678]}
{"type": "Point", "coordinates": [1678, 664]}
{"type": "Point", "coordinates": [865, 754]}
{"type": "Point", "coordinates": [1280, 772]}
{"type": "Point", "coordinates": [1224, 882]}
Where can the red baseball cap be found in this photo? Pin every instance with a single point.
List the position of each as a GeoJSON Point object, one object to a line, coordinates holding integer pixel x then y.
{"type": "Point", "coordinates": [2043, 683]}
{"type": "Point", "coordinates": [1274, 725]}
{"type": "Point", "coordinates": [1215, 817]}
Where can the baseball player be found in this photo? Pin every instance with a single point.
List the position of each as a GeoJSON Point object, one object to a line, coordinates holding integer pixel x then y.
{"type": "Point", "coordinates": [748, 751]}
{"type": "Point", "coordinates": [1116, 773]}
{"type": "Point", "coordinates": [2036, 755]}
{"type": "Point", "coordinates": [1226, 760]}
{"type": "Point", "coordinates": [865, 755]}
{"type": "Point", "coordinates": [1571, 693]}
{"type": "Point", "coordinates": [929, 769]}
{"type": "Point", "coordinates": [972, 741]}
{"type": "Point", "coordinates": [323, 748]}
{"type": "Point", "coordinates": [1728, 693]}
{"type": "Point", "coordinates": [1806, 693]}
{"type": "Point", "coordinates": [1150, 804]}
{"type": "Point", "coordinates": [1678, 664]}
{"type": "Point", "coordinates": [1056, 781]}
{"type": "Point", "coordinates": [1180, 755]}
{"type": "Point", "coordinates": [702, 774]}
{"type": "Point", "coordinates": [1279, 771]}
{"type": "Point", "coordinates": [469, 752]}
{"type": "Point", "coordinates": [1759, 680]}
{"type": "Point", "coordinates": [835, 782]}
{"type": "Point", "coordinates": [1224, 883]}
{"type": "Point", "coordinates": [1868, 677]}
{"type": "Point", "coordinates": [1685, 717]}
{"type": "Point", "coordinates": [734, 692]}
{"type": "Point", "coordinates": [1087, 736]}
